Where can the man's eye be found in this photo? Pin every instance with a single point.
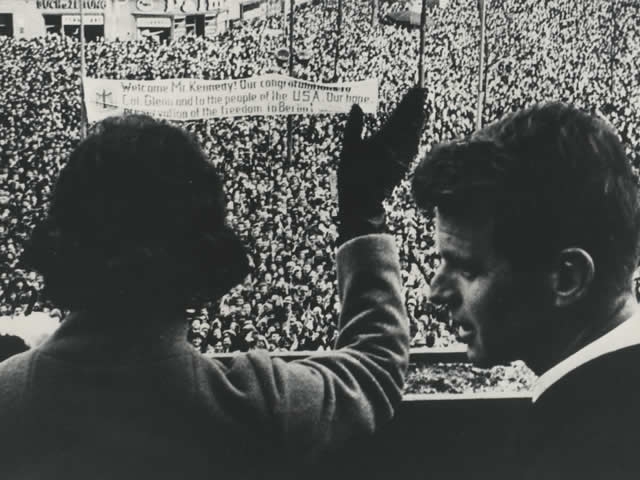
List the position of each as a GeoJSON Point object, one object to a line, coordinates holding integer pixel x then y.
{"type": "Point", "coordinates": [468, 273]}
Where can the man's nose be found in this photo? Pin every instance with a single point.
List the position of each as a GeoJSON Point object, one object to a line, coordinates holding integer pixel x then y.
{"type": "Point", "coordinates": [442, 290]}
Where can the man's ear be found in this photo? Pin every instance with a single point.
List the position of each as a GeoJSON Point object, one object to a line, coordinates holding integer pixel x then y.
{"type": "Point", "coordinates": [572, 276]}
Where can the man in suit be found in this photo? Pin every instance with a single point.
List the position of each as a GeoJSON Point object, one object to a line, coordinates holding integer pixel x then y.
{"type": "Point", "coordinates": [135, 234]}
{"type": "Point", "coordinates": [537, 221]}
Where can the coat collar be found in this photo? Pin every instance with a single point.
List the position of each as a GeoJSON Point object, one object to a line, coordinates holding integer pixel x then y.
{"type": "Point", "coordinates": [89, 337]}
{"type": "Point", "coordinates": [624, 335]}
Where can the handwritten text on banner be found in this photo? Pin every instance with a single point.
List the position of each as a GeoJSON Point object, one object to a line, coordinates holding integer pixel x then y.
{"type": "Point", "coordinates": [194, 99]}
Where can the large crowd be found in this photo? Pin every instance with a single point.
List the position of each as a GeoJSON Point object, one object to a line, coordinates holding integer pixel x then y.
{"type": "Point", "coordinates": [536, 51]}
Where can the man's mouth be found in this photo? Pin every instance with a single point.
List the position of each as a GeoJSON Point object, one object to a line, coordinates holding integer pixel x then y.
{"type": "Point", "coordinates": [464, 331]}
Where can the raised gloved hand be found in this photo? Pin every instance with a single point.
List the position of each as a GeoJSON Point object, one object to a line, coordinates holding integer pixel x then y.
{"type": "Point", "coordinates": [369, 169]}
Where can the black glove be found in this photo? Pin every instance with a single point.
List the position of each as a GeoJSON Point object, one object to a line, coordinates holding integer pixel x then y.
{"type": "Point", "coordinates": [370, 169]}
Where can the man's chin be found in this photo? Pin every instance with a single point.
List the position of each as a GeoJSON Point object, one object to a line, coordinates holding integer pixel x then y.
{"type": "Point", "coordinates": [481, 360]}
{"type": "Point", "coordinates": [478, 361]}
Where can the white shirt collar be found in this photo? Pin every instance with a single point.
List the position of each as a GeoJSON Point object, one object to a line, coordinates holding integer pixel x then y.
{"type": "Point", "coordinates": [624, 335]}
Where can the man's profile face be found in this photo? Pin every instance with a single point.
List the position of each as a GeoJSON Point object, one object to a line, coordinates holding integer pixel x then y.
{"type": "Point", "coordinates": [497, 311]}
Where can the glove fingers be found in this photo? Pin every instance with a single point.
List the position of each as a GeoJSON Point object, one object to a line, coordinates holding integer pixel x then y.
{"type": "Point", "coordinates": [354, 126]}
{"type": "Point", "coordinates": [370, 169]}
{"type": "Point", "coordinates": [404, 128]}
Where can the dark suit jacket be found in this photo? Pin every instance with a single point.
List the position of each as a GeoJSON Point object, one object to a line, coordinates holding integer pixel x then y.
{"type": "Point", "coordinates": [587, 425]}
{"type": "Point", "coordinates": [94, 403]}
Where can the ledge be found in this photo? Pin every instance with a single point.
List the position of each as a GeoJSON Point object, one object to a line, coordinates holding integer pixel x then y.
{"type": "Point", "coordinates": [422, 355]}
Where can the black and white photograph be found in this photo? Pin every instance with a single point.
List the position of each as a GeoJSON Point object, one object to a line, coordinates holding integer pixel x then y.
{"type": "Point", "coordinates": [320, 239]}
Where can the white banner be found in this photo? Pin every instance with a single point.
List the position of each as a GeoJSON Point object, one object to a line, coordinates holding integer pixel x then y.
{"type": "Point", "coordinates": [194, 99]}
{"type": "Point", "coordinates": [88, 19]}
{"type": "Point", "coordinates": [153, 22]}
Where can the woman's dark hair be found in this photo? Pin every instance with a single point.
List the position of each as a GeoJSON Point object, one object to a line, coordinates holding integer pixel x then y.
{"type": "Point", "coordinates": [551, 177]}
{"type": "Point", "coordinates": [11, 345]}
{"type": "Point", "coordinates": [137, 215]}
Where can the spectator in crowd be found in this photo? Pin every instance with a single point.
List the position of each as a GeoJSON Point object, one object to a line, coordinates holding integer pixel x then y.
{"type": "Point", "coordinates": [538, 226]}
{"type": "Point", "coordinates": [136, 234]}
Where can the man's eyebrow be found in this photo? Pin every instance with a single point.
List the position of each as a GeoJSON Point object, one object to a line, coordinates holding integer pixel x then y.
{"type": "Point", "coordinates": [455, 257]}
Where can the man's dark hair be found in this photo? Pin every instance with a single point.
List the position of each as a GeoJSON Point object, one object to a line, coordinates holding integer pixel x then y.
{"type": "Point", "coordinates": [552, 177]}
{"type": "Point", "coordinates": [137, 215]}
